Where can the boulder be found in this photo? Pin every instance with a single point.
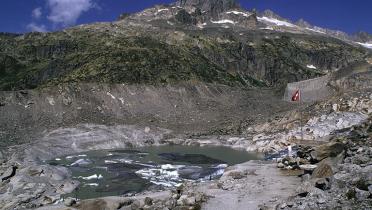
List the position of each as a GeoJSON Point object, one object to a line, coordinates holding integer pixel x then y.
{"type": "Point", "coordinates": [322, 184]}
{"type": "Point", "coordinates": [50, 199]}
{"type": "Point", "coordinates": [69, 201]}
{"type": "Point", "coordinates": [181, 200]}
{"type": "Point", "coordinates": [361, 195]}
{"type": "Point", "coordinates": [9, 173]}
{"type": "Point", "coordinates": [136, 205]}
{"type": "Point", "coordinates": [68, 186]}
{"type": "Point", "coordinates": [281, 165]}
{"type": "Point", "coordinates": [331, 149]}
{"type": "Point", "coordinates": [305, 177]}
{"type": "Point", "coordinates": [148, 201]}
{"type": "Point", "coordinates": [186, 201]}
{"type": "Point", "coordinates": [2, 158]}
{"type": "Point", "coordinates": [322, 171]}
{"type": "Point", "coordinates": [307, 188]}
{"type": "Point", "coordinates": [308, 167]}
{"type": "Point", "coordinates": [283, 205]}
{"type": "Point", "coordinates": [181, 208]}
{"type": "Point", "coordinates": [321, 201]}
{"type": "Point", "coordinates": [328, 167]}
{"type": "Point", "coordinates": [104, 203]}
{"type": "Point", "coordinates": [237, 174]}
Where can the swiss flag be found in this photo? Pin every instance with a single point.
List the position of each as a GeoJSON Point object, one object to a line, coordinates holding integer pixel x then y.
{"type": "Point", "coordinates": [296, 96]}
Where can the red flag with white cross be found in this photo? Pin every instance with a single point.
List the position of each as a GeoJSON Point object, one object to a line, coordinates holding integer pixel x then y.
{"type": "Point", "coordinates": [296, 96]}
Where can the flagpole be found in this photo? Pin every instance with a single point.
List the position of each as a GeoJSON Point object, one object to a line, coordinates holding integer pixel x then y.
{"type": "Point", "coordinates": [300, 104]}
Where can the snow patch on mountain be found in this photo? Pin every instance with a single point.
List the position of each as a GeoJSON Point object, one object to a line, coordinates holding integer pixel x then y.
{"type": "Point", "coordinates": [275, 21]}
{"type": "Point", "coordinates": [201, 25]}
{"type": "Point", "coordinates": [238, 13]}
{"type": "Point", "coordinates": [310, 66]}
{"type": "Point", "coordinates": [267, 28]}
{"type": "Point", "coordinates": [366, 45]}
{"type": "Point", "coordinates": [161, 10]}
{"type": "Point", "coordinates": [316, 30]}
{"type": "Point", "coordinates": [223, 21]}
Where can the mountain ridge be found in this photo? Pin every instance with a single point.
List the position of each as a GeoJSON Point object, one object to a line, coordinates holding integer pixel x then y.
{"type": "Point", "coordinates": [224, 6]}
{"type": "Point", "coordinates": [168, 44]}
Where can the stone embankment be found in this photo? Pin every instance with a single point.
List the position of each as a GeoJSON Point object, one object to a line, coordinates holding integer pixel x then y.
{"type": "Point", "coordinates": [338, 175]}
{"type": "Point", "coordinates": [319, 123]}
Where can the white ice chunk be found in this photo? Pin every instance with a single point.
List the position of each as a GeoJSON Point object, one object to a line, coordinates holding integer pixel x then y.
{"type": "Point", "coordinates": [92, 184]}
{"type": "Point", "coordinates": [81, 162]}
{"type": "Point", "coordinates": [169, 166]}
{"type": "Point", "coordinates": [95, 176]}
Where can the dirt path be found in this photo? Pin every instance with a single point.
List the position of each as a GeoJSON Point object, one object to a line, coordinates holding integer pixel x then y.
{"type": "Point", "coordinates": [261, 183]}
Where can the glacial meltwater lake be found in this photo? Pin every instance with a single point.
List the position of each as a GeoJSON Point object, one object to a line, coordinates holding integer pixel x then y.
{"type": "Point", "coordinates": [123, 171]}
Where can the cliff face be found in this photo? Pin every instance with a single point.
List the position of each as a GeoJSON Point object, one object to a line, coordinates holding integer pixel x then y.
{"type": "Point", "coordinates": [212, 7]}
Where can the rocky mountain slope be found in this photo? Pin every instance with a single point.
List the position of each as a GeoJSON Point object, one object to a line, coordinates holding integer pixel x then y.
{"type": "Point", "coordinates": [208, 41]}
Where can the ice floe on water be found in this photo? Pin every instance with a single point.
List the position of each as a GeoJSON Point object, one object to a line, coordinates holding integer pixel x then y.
{"type": "Point", "coordinates": [95, 176]}
{"type": "Point", "coordinates": [81, 162]}
{"type": "Point", "coordinates": [169, 166]}
{"type": "Point", "coordinates": [172, 175]}
{"type": "Point", "coordinates": [91, 184]}
{"type": "Point", "coordinates": [75, 156]}
{"type": "Point", "coordinates": [220, 169]}
{"type": "Point", "coordinates": [124, 160]}
{"type": "Point", "coordinates": [117, 171]}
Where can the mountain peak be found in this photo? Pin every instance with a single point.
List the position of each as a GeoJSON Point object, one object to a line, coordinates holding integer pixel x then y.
{"type": "Point", "coordinates": [362, 36]}
{"type": "Point", "coordinates": [213, 7]}
{"type": "Point", "coordinates": [302, 23]}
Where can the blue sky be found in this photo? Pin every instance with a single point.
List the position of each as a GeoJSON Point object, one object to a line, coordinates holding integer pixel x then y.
{"type": "Point", "coordinates": [21, 16]}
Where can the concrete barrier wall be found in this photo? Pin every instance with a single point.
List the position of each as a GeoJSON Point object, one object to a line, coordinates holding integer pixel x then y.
{"type": "Point", "coordinates": [311, 90]}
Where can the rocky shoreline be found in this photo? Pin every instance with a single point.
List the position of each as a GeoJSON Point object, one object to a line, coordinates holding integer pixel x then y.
{"type": "Point", "coordinates": [338, 175]}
